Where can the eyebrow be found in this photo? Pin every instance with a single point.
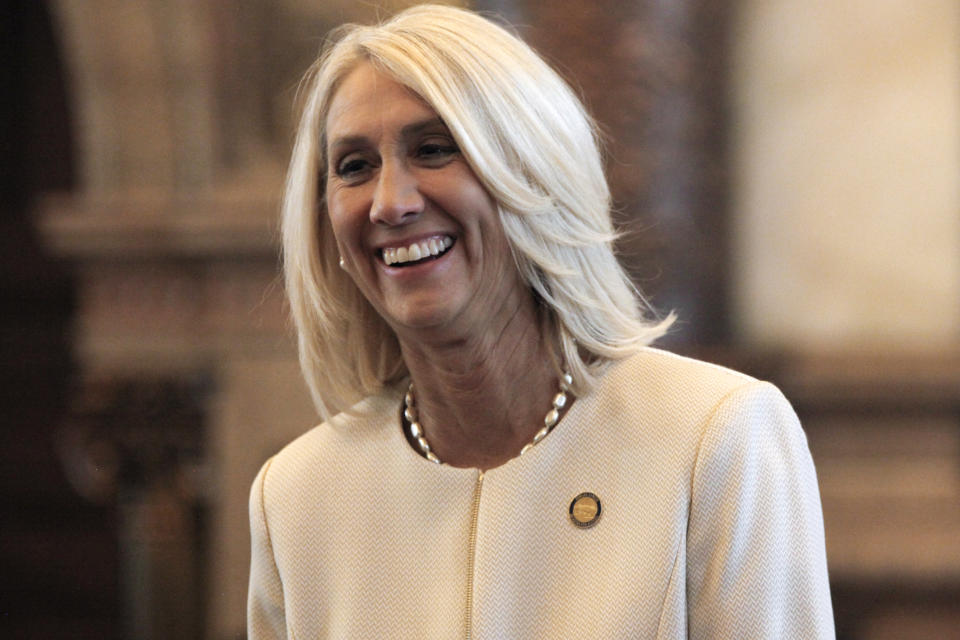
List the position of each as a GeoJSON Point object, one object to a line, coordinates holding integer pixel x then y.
{"type": "Point", "coordinates": [408, 131]}
{"type": "Point", "coordinates": [424, 125]}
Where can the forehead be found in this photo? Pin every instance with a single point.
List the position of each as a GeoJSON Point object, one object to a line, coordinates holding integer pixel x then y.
{"type": "Point", "coordinates": [368, 102]}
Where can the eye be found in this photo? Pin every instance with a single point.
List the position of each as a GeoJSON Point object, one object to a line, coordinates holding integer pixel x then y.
{"type": "Point", "coordinates": [353, 167]}
{"type": "Point", "coordinates": [436, 151]}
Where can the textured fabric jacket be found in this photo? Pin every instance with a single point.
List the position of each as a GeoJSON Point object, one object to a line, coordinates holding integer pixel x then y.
{"type": "Point", "coordinates": [710, 523]}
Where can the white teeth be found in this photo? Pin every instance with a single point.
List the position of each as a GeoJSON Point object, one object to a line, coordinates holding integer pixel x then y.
{"type": "Point", "coordinates": [417, 250]}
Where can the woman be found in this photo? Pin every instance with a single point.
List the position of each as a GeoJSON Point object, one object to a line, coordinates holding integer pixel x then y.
{"type": "Point", "coordinates": [447, 244]}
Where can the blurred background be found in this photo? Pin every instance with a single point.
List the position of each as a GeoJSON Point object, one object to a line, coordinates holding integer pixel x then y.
{"type": "Point", "coordinates": [786, 175]}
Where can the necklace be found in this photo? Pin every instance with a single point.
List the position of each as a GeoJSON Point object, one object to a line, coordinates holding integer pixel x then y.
{"type": "Point", "coordinates": [549, 420]}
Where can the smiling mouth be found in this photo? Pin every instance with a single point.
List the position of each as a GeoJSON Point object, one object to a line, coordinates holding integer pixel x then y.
{"type": "Point", "coordinates": [417, 252]}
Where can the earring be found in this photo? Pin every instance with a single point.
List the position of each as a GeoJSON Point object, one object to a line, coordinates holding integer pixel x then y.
{"type": "Point", "coordinates": [342, 264]}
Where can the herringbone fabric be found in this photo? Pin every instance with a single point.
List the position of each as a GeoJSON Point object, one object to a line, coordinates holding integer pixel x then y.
{"type": "Point", "coordinates": [710, 528]}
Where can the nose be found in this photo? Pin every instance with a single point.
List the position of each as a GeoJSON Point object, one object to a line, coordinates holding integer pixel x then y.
{"type": "Point", "coordinates": [397, 199]}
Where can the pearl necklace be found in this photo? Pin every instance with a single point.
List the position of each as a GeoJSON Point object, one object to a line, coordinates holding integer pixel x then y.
{"type": "Point", "coordinates": [549, 420]}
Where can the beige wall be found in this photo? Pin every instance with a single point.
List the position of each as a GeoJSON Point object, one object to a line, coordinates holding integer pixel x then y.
{"type": "Point", "coordinates": [847, 155]}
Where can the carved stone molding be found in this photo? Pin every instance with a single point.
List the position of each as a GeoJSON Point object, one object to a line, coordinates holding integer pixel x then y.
{"type": "Point", "coordinates": [170, 282]}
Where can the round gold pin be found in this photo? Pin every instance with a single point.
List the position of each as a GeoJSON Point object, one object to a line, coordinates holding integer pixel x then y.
{"type": "Point", "coordinates": [585, 510]}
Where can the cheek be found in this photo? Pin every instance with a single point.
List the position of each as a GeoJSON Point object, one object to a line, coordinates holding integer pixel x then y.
{"type": "Point", "coordinates": [467, 194]}
{"type": "Point", "coordinates": [342, 220]}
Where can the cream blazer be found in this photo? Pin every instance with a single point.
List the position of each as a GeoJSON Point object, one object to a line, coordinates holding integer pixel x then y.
{"type": "Point", "coordinates": [710, 523]}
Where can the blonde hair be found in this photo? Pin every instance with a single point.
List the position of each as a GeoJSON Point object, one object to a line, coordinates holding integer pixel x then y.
{"type": "Point", "coordinates": [532, 145]}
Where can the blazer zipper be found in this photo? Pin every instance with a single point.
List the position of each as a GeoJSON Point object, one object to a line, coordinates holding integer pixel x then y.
{"type": "Point", "coordinates": [472, 553]}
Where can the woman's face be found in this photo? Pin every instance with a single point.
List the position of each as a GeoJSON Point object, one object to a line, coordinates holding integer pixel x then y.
{"type": "Point", "coordinates": [417, 232]}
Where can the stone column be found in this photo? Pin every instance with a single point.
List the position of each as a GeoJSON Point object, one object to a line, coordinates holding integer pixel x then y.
{"type": "Point", "coordinates": [169, 288]}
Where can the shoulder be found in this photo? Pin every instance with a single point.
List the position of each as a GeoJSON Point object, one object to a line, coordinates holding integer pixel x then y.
{"type": "Point", "coordinates": [660, 383]}
{"type": "Point", "coordinates": [733, 430]}
{"type": "Point", "coordinates": [326, 448]}
{"type": "Point", "coordinates": [682, 370]}
{"type": "Point", "coordinates": [678, 404]}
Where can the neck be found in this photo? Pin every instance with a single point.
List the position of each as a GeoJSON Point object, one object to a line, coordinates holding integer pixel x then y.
{"type": "Point", "coordinates": [480, 399]}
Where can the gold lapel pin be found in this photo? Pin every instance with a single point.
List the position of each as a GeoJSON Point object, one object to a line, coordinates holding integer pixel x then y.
{"type": "Point", "coordinates": [585, 510]}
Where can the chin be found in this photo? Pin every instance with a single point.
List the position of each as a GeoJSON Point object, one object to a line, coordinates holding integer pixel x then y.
{"type": "Point", "coordinates": [422, 317]}
{"type": "Point", "coordinates": [421, 321]}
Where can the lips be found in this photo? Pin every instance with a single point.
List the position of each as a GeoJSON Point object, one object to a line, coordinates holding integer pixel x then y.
{"type": "Point", "coordinates": [419, 251]}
